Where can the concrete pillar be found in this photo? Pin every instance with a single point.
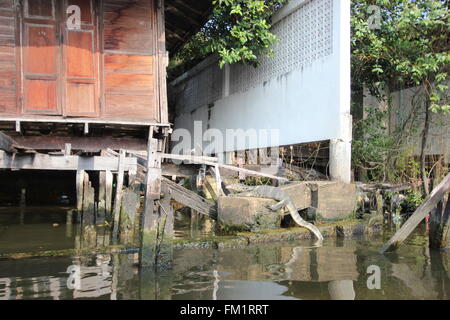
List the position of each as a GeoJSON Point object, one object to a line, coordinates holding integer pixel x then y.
{"type": "Point", "coordinates": [340, 161]}
{"type": "Point", "coordinates": [341, 152]}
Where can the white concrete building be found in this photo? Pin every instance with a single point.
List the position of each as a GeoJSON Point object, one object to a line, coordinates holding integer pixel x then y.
{"type": "Point", "coordinates": [300, 95]}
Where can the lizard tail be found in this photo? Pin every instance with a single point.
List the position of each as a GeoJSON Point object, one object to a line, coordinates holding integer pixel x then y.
{"type": "Point", "coordinates": [296, 216]}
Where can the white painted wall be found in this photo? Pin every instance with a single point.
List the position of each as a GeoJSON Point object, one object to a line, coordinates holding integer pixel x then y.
{"type": "Point", "coordinates": [309, 103]}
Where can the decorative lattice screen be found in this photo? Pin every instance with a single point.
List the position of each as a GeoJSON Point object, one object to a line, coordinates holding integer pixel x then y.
{"type": "Point", "coordinates": [202, 89]}
{"type": "Point", "coordinates": [306, 35]}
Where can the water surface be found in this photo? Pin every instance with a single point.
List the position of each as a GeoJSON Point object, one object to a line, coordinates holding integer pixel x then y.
{"type": "Point", "coordinates": [338, 270]}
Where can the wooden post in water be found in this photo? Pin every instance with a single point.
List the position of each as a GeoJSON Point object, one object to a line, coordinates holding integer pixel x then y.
{"type": "Point", "coordinates": [101, 212]}
{"type": "Point", "coordinates": [150, 216]}
{"type": "Point", "coordinates": [439, 225]}
{"type": "Point", "coordinates": [69, 223]}
{"type": "Point", "coordinates": [79, 187]}
{"type": "Point", "coordinates": [108, 193]}
{"type": "Point", "coordinates": [89, 235]}
{"type": "Point", "coordinates": [130, 206]}
{"type": "Point", "coordinates": [23, 193]}
{"type": "Point", "coordinates": [429, 204]}
{"type": "Point", "coordinates": [165, 231]}
{"type": "Point", "coordinates": [118, 197]}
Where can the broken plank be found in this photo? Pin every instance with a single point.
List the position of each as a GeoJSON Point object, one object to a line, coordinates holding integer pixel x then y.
{"type": "Point", "coordinates": [200, 160]}
{"type": "Point", "coordinates": [190, 199]}
{"type": "Point", "coordinates": [7, 143]}
{"type": "Point", "coordinates": [429, 204]}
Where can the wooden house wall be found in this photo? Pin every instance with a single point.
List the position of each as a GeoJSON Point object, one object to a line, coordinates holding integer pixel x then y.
{"type": "Point", "coordinates": [112, 69]}
{"type": "Point", "coordinates": [7, 58]}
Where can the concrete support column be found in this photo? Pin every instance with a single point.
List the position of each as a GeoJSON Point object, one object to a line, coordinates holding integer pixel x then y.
{"type": "Point", "coordinates": [340, 160]}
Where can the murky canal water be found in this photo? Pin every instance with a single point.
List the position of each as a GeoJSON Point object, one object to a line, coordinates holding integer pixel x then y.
{"type": "Point", "coordinates": [341, 269]}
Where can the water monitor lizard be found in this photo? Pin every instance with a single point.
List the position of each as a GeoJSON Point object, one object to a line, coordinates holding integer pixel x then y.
{"type": "Point", "coordinates": [284, 201]}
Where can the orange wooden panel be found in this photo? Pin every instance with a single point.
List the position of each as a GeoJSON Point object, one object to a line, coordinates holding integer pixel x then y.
{"type": "Point", "coordinates": [130, 107]}
{"type": "Point", "coordinates": [39, 49]}
{"type": "Point", "coordinates": [7, 102]}
{"type": "Point", "coordinates": [40, 95]}
{"type": "Point", "coordinates": [122, 63]}
{"type": "Point", "coordinates": [80, 99]}
{"type": "Point", "coordinates": [86, 10]}
{"type": "Point", "coordinates": [80, 62]}
{"type": "Point", "coordinates": [130, 83]}
{"type": "Point", "coordinates": [39, 8]}
{"type": "Point", "coordinates": [128, 26]}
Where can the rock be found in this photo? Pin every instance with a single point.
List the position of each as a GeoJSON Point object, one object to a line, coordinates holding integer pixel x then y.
{"type": "Point", "coordinates": [333, 201]}
{"type": "Point", "coordinates": [300, 194]}
{"type": "Point", "coordinates": [248, 213]}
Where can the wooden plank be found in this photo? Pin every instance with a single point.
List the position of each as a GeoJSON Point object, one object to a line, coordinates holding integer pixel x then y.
{"type": "Point", "coordinates": [7, 143]}
{"type": "Point", "coordinates": [201, 160]}
{"type": "Point", "coordinates": [429, 204]}
{"type": "Point", "coordinates": [190, 199]}
{"type": "Point", "coordinates": [45, 119]}
{"type": "Point", "coordinates": [182, 157]}
{"type": "Point", "coordinates": [66, 163]}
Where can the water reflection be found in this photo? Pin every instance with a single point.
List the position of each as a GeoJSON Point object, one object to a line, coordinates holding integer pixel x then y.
{"type": "Point", "coordinates": [338, 270]}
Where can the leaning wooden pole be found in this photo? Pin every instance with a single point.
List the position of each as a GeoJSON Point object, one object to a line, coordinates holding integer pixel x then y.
{"type": "Point", "coordinates": [150, 216]}
{"type": "Point", "coordinates": [430, 204]}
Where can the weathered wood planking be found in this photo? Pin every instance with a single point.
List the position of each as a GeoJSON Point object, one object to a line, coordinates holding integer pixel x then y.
{"type": "Point", "coordinates": [70, 163]}
{"type": "Point", "coordinates": [8, 73]}
{"type": "Point", "coordinates": [190, 199]}
{"type": "Point", "coordinates": [129, 59]}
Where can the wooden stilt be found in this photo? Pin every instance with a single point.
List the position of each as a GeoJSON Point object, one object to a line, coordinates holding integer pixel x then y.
{"type": "Point", "coordinates": [118, 197]}
{"type": "Point", "coordinates": [252, 156]}
{"type": "Point", "coordinates": [101, 212]}
{"type": "Point", "coordinates": [218, 181]}
{"type": "Point", "coordinates": [165, 231]}
{"type": "Point", "coordinates": [439, 225]}
{"type": "Point", "coordinates": [195, 223]}
{"type": "Point", "coordinates": [69, 223]}
{"type": "Point", "coordinates": [130, 206]}
{"type": "Point", "coordinates": [22, 207]}
{"type": "Point", "coordinates": [88, 202]}
{"type": "Point", "coordinates": [151, 216]}
{"type": "Point", "coordinates": [108, 193]}
{"type": "Point", "coordinates": [89, 233]}
{"type": "Point", "coordinates": [79, 186]}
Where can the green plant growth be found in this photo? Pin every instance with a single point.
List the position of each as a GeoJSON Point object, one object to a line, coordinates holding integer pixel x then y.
{"type": "Point", "coordinates": [410, 48]}
{"type": "Point", "coordinates": [238, 31]}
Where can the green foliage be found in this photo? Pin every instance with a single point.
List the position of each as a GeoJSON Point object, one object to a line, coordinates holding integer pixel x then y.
{"type": "Point", "coordinates": [257, 181]}
{"type": "Point", "coordinates": [240, 29]}
{"type": "Point", "coordinates": [410, 48]}
{"type": "Point", "coordinates": [413, 198]}
{"type": "Point", "coordinates": [371, 145]}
